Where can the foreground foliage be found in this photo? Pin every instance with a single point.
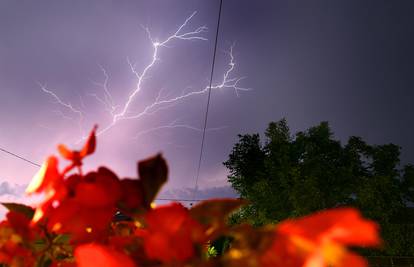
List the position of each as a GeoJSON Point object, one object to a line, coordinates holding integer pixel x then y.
{"type": "Point", "coordinates": [74, 225]}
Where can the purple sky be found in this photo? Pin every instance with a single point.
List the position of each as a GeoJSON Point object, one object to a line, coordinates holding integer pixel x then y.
{"type": "Point", "coordinates": [342, 61]}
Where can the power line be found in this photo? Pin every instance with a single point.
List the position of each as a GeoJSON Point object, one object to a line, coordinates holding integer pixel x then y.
{"type": "Point", "coordinates": [178, 199]}
{"type": "Point", "coordinates": [19, 157]}
{"type": "Point", "coordinates": [38, 165]}
{"type": "Point", "coordinates": [208, 98]}
{"type": "Point", "coordinates": [204, 127]}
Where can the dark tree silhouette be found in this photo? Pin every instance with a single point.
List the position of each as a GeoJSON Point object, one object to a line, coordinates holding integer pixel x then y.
{"type": "Point", "coordinates": [293, 175]}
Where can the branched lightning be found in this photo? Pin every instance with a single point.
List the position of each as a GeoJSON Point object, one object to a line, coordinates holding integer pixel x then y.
{"type": "Point", "coordinates": [68, 106]}
{"type": "Point", "coordinates": [107, 101]}
{"type": "Point", "coordinates": [123, 111]}
{"type": "Point", "coordinates": [176, 125]}
{"type": "Point", "coordinates": [191, 35]}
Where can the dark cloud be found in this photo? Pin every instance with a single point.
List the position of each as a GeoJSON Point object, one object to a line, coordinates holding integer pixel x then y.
{"type": "Point", "coordinates": [14, 190]}
{"type": "Point", "coordinates": [187, 193]}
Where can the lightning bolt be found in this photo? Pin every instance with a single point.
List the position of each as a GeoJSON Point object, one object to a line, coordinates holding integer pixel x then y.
{"type": "Point", "coordinates": [107, 101]}
{"type": "Point", "coordinates": [192, 35]}
{"type": "Point", "coordinates": [176, 125]}
{"type": "Point", "coordinates": [67, 106]}
{"type": "Point", "coordinates": [123, 112]}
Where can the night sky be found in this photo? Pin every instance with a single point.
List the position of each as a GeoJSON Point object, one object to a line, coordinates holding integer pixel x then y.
{"type": "Point", "coordinates": [346, 62]}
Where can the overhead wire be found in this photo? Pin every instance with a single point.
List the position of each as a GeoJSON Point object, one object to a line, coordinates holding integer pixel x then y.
{"type": "Point", "coordinates": [38, 165]}
{"type": "Point", "coordinates": [19, 157]}
{"type": "Point", "coordinates": [208, 100]}
{"type": "Point", "coordinates": [204, 126]}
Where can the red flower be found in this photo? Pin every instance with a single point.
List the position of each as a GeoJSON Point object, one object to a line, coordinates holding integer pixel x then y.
{"type": "Point", "coordinates": [82, 206]}
{"type": "Point", "coordinates": [20, 224]}
{"type": "Point", "coordinates": [47, 178]}
{"type": "Point", "coordinates": [50, 181]}
{"type": "Point", "coordinates": [89, 206]}
{"type": "Point", "coordinates": [318, 240]}
{"type": "Point", "coordinates": [16, 255]}
{"type": "Point", "coordinates": [14, 232]}
{"type": "Point", "coordinates": [82, 223]}
{"type": "Point", "coordinates": [171, 233]}
{"type": "Point", "coordinates": [98, 189]}
{"type": "Point", "coordinates": [97, 255]}
{"type": "Point", "coordinates": [77, 156]}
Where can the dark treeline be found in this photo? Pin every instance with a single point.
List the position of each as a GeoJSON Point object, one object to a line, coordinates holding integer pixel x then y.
{"type": "Point", "coordinates": [288, 175]}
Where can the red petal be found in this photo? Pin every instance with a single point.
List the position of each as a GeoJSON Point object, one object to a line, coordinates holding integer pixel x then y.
{"type": "Point", "coordinates": [282, 253]}
{"type": "Point", "coordinates": [90, 144]}
{"type": "Point", "coordinates": [351, 259]}
{"type": "Point", "coordinates": [75, 219]}
{"type": "Point", "coordinates": [157, 246]}
{"type": "Point", "coordinates": [97, 255]}
{"type": "Point", "coordinates": [98, 189]}
{"type": "Point", "coordinates": [342, 225]}
{"type": "Point", "coordinates": [20, 223]}
{"type": "Point", "coordinates": [65, 152]}
{"type": "Point", "coordinates": [91, 195]}
{"type": "Point", "coordinates": [47, 177]}
{"type": "Point", "coordinates": [168, 218]}
{"type": "Point", "coordinates": [171, 233]}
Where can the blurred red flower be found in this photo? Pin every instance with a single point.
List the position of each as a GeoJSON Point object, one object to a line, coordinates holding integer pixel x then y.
{"type": "Point", "coordinates": [97, 255]}
{"type": "Point", "coordinates": [319, 240]}
{"type": "Point", "coordinates": [171, 233]}
{"type": "Point", "coordinates": [89, 206]}
{"type": "Point", "coordinates": [77, 156]}
{"type": "Point", "coordinates": [14, 232]}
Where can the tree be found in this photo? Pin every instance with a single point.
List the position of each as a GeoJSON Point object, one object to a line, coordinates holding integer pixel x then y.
{"type": "Point", "coordinates": [288, 175]}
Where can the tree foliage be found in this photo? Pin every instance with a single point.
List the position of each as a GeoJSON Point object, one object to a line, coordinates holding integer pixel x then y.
{"type": "Point", "coordinates": [287, 175]}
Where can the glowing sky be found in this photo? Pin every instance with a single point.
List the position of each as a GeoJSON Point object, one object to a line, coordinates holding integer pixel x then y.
{"type": "Point", "coordinates": [348, 63]}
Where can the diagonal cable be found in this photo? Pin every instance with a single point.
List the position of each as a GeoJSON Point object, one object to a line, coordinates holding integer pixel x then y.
{"type": "Point", "coordinates": [208, 99]}
{"type": "Point", "coordinates": [19, 157]}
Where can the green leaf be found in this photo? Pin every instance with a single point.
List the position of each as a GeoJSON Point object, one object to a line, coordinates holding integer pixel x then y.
{"type": "Point", "coordinates": [213, 214]}
{"type": "Point", "coordinates": [61, 239]}
{"type": "Point", "coordinates": [211, 252]}
{"type": "Point", "coordinates": [215, 211]}
{"type": "Point", "coordinates": [20, 208]}
{"type": "Point", "coordinates": [39, 245]}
